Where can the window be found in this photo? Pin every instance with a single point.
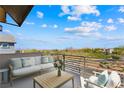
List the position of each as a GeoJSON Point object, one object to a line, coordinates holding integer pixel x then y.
{"type": "Point", "coordinates": [6, 45]}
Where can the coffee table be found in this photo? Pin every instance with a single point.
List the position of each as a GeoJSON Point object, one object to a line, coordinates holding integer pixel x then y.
{"type": "Point", "coordinates": [51, 80]}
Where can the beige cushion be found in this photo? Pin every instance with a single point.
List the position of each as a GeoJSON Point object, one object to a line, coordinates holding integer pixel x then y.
{"type": "Point", "coordinates": [26, 70]}
{"type": "Point", "coordinates": [45, 66]}
{"type": "Point", "coordinates": [44, 59]}
{"type": "Point", "coordinates": [16, 62]}
{"type": "Point", "coordinates": [38, 60]}
{"type": "Point", "coordinates": [28, 61]}
{"type": "Point", "coordinates": [114, 80]}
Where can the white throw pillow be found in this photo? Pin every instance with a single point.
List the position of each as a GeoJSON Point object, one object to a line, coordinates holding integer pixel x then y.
{"type": "Point", "coordinates": [103, 78]}
{"type": "Point", "coordinates": [114, 80]}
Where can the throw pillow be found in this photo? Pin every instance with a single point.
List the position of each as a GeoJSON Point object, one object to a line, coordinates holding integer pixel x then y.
{"type": "Point", "coordinates": [51, 59]}
{"type": "Point", "coordinates": [103, 78]}
{"type": "Point", "coordinates": [16, 62]}
{"type": "Point", "coordinates": [44, 59]}
{"type": "Point", "coordinates": [37, 60]}
{"type": "Point", "coordinates": [114, 80]}
{"type": "Point", "coordinates": [28, 61]}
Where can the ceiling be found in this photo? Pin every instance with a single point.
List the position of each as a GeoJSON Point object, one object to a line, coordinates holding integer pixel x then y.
{"type": "Point", "coordinates": [17, 12]}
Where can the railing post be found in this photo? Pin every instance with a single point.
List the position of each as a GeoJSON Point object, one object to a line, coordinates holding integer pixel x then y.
{"type": "Point", "coordinates": [84, 66]}
{"type": "Point", "coordinates": [63, 62]}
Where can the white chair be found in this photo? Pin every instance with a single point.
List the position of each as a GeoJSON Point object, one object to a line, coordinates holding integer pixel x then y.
{"type": "Point", "coordinates": [102, 80]}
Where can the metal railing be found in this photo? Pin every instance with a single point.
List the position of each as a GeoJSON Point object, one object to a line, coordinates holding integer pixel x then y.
{"type": "Point", "coordinates": [86, 65]}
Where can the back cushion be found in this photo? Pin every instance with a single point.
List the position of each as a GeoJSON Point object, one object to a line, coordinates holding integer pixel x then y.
{"type": "Point", "coordinates": [114, 80]}
{"type": "Point", "coordinates": [103, 78]}
{"type": "Point", "coordinates": [38, 60]}
{"type": "Point", "coordinates": [16, 62]}
{"type": "Point", "coordinates": [44, 59]}
{"type": "Point", "coordinates": [28, 61]}
{"type": "Point", "coordinates": [51, 59]}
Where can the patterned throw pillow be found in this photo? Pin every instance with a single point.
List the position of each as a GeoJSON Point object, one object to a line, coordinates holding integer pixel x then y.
{"type": "Point", "coordinates": [16, 62]}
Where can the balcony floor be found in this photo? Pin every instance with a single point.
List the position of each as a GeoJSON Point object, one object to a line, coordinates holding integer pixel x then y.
{"type": "Point", "coordinates": [27, 82]}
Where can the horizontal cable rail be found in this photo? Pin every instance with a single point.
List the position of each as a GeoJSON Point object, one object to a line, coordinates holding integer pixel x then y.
{"type": "Point", "coordinates": [86, 65]}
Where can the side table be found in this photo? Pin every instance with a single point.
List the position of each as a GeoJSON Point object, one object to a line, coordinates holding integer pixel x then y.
{"type": "Point", "coordinates": [4, 75]}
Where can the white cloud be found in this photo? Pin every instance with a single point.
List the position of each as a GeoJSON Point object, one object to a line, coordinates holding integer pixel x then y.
{"type": "Point", "coordinates": [79, 10]}
{"type": "Point", "coordinates": [29, 23]}
{"type": "Point", "coordinates": [121, 20]}
{"type": "Point", "coordinates": [91, 34]}
{"type": "Point", "coordinates": [110, 28]}
{"type": "Point", "coordinates": [65, 10]}
{"type": "Point", "coordinates": [44, 25]}
{"type": "Point", "coordinates": [121, 9]}
{"type": "Point", "coordinates": [7, 31]}
{"type": "Point", "coordinates": [40, 14]}
{"type": "Point", "coordinates": [76, 12]}
{"type": "Point", "coordinates": [55, 26]}
{"type": "Point", "coordinates": [85, 27]}
{"type": "Point", "coordinates": [73, 18]}
{"type": "Point", "coordinates": [110, 20]}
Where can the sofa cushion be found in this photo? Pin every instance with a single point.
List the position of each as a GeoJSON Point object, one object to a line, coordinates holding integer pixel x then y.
{"type": "Point", "coordinates": [44, 59]}
{"type": "Point", "coordinates": [37, 60]}
{"type": "Point", "coordinates": [26, 70]}
{"type": "Point", "coordinates": [28, 61]}
{"type": "Point", "coordinates": [45, 66]}
{"type": "Point", "coordinates": [51, 59]}
{"type": "Point", "coordinates": [16, 62]}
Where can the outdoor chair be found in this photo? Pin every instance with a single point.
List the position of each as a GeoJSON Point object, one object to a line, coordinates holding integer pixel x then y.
{"type": "Point", "coordinates": [102, 80]}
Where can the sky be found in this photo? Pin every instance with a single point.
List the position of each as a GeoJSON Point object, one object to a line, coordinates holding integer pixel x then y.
{"type": "Point", "coordinates": [60, 27]}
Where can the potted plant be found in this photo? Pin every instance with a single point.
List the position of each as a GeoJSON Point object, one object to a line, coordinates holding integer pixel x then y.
{"type": "Point", "coordinates": [58, 64]}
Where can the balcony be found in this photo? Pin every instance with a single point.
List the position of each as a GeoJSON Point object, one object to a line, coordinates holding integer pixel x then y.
{"type": "Point", "coordinates": [76, 65]}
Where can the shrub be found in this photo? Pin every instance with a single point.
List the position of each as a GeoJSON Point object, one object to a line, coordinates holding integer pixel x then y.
{"type": "Point", "coordinates": [115, 57]}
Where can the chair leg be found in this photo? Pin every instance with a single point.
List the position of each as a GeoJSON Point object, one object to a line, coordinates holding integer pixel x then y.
{"type": "Point", "coordinates": [11, 82]}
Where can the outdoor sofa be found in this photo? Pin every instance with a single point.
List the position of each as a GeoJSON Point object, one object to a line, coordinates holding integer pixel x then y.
{"type": "Point", "coordinates": [19, 67]}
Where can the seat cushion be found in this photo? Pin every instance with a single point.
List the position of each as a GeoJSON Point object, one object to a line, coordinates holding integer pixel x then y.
{"type": "Point", "coordinates": [16, 63]}
{"type": "Point", "coordinates": [114, 80]}
{"type": "Point", "coordinates": [28, 61]}
{"type": "Point", "coordinates": [103, 78]}
{"type": "Point", "coordinates": [37, 60]}
{"type": "Point", "coordinates": [26, 70]}
{"type": "Point", "coordinates": [45, 66]}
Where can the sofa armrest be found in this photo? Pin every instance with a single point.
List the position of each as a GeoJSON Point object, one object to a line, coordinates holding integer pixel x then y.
{"type": "Point", "coordinates": [10, 67]}
{"type": "Point", "coordinates": [10, 71]}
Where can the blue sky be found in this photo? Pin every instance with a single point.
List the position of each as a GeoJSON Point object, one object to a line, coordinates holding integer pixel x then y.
{"type": "Point", "coordinates": [60, 27]}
